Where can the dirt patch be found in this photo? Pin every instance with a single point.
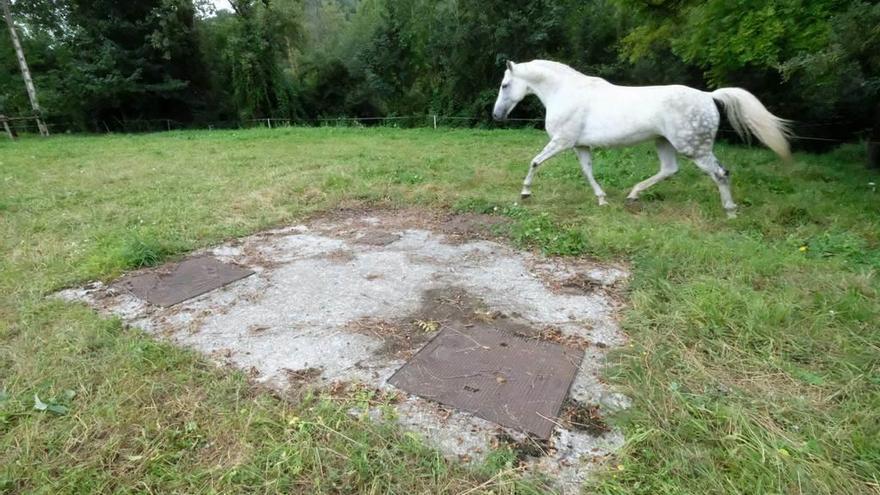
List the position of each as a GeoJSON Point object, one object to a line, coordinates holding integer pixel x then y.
{"type": "Point", "coordinates": [363, 395]}
{"type": "Point", "coordinates": [455, 306]}
{"type": "Point", "coordinates": [441, 308]}
{"type": "Point", "coordinates": [222, 354]}
{"type": "Point", "coordinates": [401, 339]}
{"type": "Point", "coordinates": [299, 382]}
{"type": "Point", "coordinates": [524, 448]}
{"type": "Point", "coordinates": [584, 417]}
{"type": "Point", "coordinates": [555, 335]}
{"type": "Point", "coordinates": [457, 227]}
{"type": "Point", "coordinates": [255, 256]}
{"type": "Point", "coordinates": [581, 283]}
{"type": "Point", "coordinates": [475, 225]}
{"type": "Point", "coordinates": [378, 238]}
{"type": "Point", "coordinates": [581, 276]}
{"type": "Point", "coordinates": [258, 329]}
{"type": "Point", "coordinates": [303, 376]}
{"type": "Point", "coordinates": [340, 256]}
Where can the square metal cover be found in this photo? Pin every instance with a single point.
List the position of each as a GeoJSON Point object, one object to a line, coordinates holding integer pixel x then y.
{"type": "Point", "coordinates": [492, 374]}
{"type": "Point", "coordinates": [175, 283]}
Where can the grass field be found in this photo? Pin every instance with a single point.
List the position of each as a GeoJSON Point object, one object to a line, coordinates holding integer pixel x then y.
{"type": "Point", "coordinates": [754, 362]}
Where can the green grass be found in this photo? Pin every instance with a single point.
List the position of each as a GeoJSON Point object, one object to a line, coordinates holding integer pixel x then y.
{"type": "Point", "coordinates": [754, 355]}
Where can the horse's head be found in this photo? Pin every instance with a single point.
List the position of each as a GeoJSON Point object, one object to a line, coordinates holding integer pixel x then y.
{"type": "Point", "coordinates": [513, 90]}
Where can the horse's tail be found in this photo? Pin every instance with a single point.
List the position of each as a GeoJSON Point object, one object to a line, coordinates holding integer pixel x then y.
{"type": "Point", "coordinates": [748, 115]}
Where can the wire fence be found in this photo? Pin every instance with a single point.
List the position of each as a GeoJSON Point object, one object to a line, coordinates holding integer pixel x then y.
{"type": "Point", "coordinates": [23, 125]}
{"type": "Point", "coordinates": [27, 125]}
{"type": "Point", "coordinates": [428, 120]}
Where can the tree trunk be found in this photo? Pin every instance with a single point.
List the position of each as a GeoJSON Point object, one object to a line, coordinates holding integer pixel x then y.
{"type": "Point", "coordinates": [25, 71]}
{"type": "Point", "coordinates": [874, 141]}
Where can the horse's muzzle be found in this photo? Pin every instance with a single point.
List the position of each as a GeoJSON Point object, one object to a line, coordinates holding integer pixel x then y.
{"type": "Point", "coordinates": [499, 116]}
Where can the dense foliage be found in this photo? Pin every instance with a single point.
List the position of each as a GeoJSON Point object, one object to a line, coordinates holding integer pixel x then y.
{"type": "Point", "coordinates": [107, 64]}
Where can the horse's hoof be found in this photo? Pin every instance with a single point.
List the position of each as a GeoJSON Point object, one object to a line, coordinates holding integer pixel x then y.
{"type": "Point", "coordinates": [602, 202]}
{"type": "Point", "coordinates": [525, 195]}
{"type": "Point", "coordinates": [731, 214]}
{"type": "Point", "coordinates": [633, 205]}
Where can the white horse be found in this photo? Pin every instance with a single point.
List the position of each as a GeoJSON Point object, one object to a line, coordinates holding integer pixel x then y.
{"type": "Point", "coordinates": [585, 112]}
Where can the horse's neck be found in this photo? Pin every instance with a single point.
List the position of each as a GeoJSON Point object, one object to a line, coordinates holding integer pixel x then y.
{"type": "Point", "coordinates": [547, 83]}
{"type": "Point", "coordinates": [544, 85]}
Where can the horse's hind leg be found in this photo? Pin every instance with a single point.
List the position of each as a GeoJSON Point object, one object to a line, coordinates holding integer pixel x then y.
{"type": "Point", "coordinates": [668, 168]}
{"type": "Point", "coordinates": [709, 163]}
{"type": "Point", "coordinates": [586, 159]}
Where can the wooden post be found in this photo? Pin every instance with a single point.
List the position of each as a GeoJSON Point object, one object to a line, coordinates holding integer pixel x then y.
{"type": "Point", "coordinates": [25, 71]}
{"type": "Point", "coordinates": [874, 142]}
{"type": "Point", "coordinates": [9, 131]}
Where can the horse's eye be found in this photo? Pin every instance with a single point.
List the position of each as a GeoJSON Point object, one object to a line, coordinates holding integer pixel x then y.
{"type": "Point", "coordinates": [504, 86]}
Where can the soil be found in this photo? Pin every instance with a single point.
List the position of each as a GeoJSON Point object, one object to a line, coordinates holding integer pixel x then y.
{"type": "Point", "coordinates": [583, 417]}
{"type": "Point", "coordinates": [525, 448]}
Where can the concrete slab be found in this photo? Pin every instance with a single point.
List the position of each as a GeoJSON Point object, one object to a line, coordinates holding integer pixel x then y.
{"type": "Point", "coordinates": [350, 298]}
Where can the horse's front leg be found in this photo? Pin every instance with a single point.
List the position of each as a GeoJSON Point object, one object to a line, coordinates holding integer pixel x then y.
{"type": "Point", "coordinates": [554, 147]}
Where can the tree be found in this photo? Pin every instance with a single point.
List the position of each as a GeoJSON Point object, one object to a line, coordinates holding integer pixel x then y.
{"type": "Point", "coordinates": [843, 77]}
{"type": "Point", "coordinates": [25, 70]}
{"type": "Point", "coordinates": [135, 59]}
{"type": "Point", "coordinates": [811, 60]}
{"type": "Point", "coordinates": [103, 62]}
{"type": "Point", "coordinates": [215, 34]}
{"type": "Point", "coordinates": [255, 53]}
{"type": "Point", "coordinates": [106, 61]}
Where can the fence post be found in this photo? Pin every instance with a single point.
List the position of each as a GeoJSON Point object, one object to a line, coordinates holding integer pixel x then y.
{"type": "Point", "coordinates": [874, 141]}
{"type": "Point", "coordinates": [435, 121]}
{"type": "Point", "coordinates": [44, 130]}
{"type": "Point", "coordinates": [6, 127]}
{"type": "Point", "coordinates": [269, 123]}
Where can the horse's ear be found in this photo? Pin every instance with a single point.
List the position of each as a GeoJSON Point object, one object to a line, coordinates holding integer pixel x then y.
{"type": "Point", "coordinates": [510, 65]}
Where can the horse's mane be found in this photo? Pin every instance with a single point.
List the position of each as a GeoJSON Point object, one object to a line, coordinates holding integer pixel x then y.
{"type": "Point", "coordinates": [562, 70]}
{"type": "Point", "coordinates": [555, 66]}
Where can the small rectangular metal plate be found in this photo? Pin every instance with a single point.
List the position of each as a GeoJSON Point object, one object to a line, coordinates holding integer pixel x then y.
{"type": "Point", "coordinates": [175, 283]}
{"type": "Point", "coordinates": [515, 382]}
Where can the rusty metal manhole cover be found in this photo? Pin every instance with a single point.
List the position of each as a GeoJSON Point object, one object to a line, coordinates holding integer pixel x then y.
{"type": "Point", "coordinates": [178, 282]}
{"type": "Point", "coordinates": [492, 374]}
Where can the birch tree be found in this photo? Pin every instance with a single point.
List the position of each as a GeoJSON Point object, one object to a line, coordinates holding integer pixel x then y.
{"type": "Point", "coordinates": [25, 71]}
